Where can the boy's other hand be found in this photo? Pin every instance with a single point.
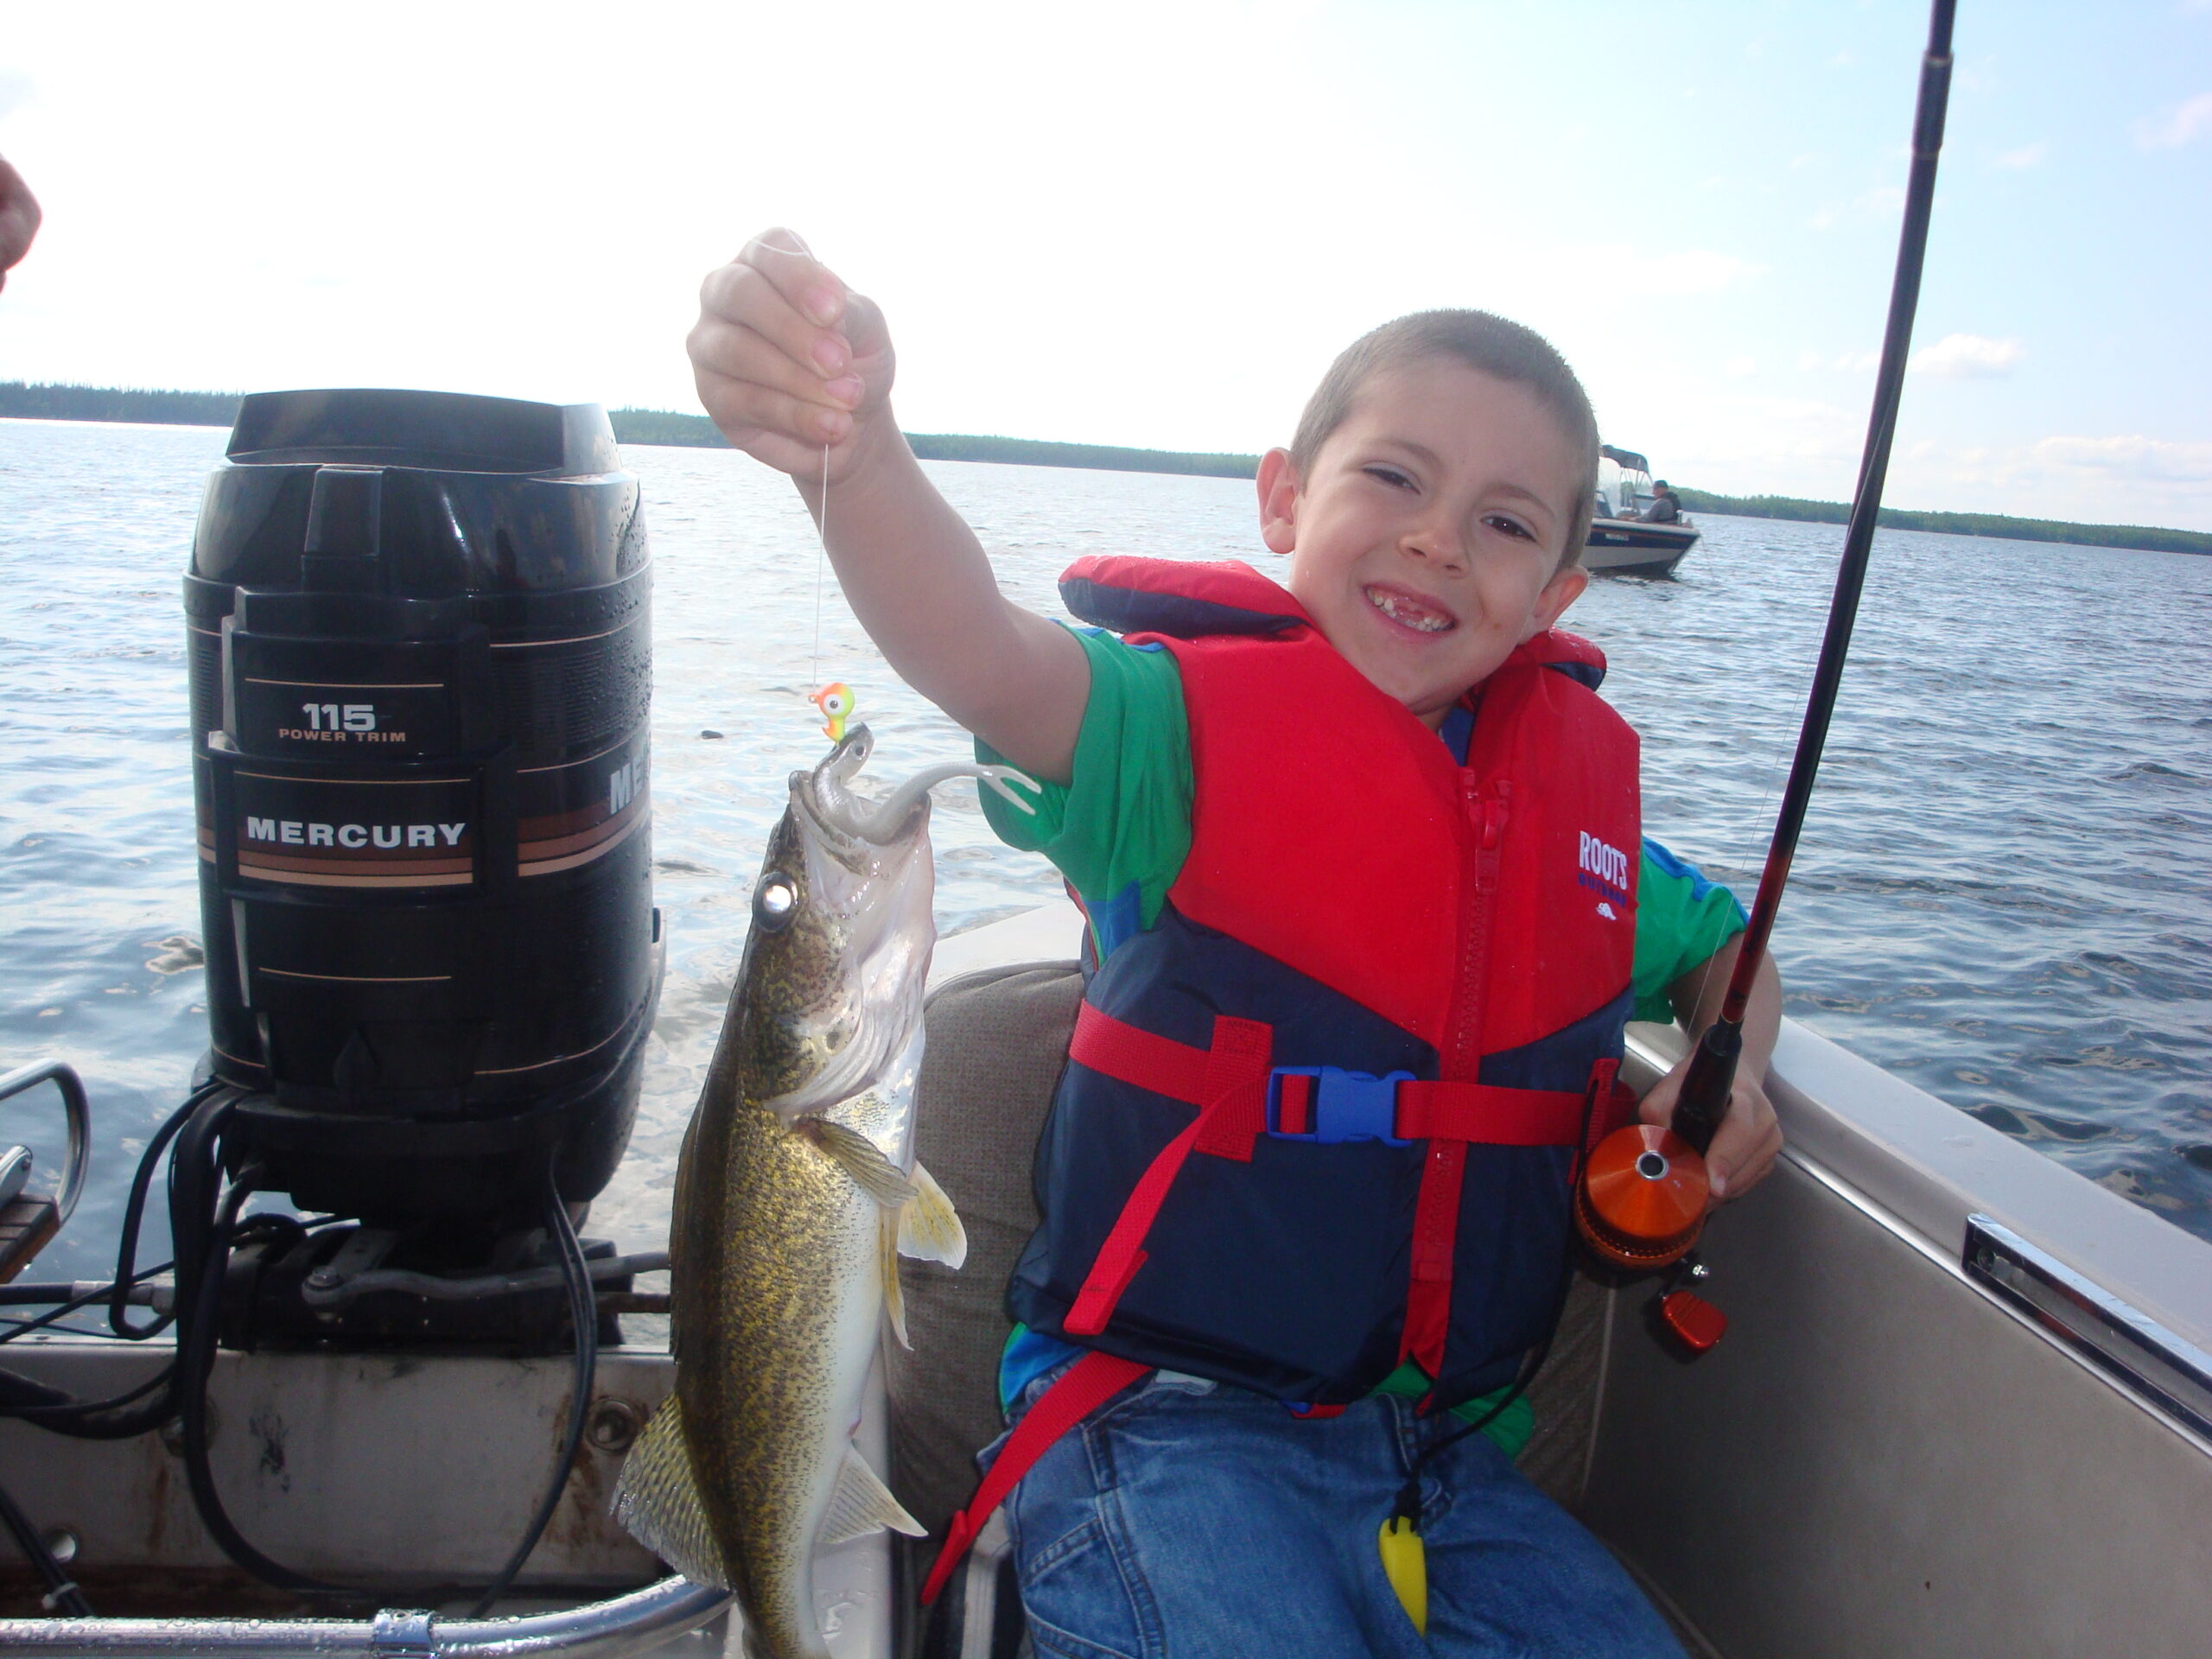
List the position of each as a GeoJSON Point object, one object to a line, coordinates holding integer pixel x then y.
{"type": "Point", "coordinates": [1750, 1136]}
{"type": "Point", "coordinates": [19, 218]}
{"type": "Point", "coordinates": [788, 359]}
{"type": "Point", "coordinates": [1748, 1139]}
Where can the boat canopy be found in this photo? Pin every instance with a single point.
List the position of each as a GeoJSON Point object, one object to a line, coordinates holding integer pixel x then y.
{"type": "Point", "coordinates": [1627, 458]}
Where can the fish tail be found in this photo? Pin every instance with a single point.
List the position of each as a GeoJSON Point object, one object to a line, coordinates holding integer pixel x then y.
{"type": "Point", "coordinates": [657, 1500]}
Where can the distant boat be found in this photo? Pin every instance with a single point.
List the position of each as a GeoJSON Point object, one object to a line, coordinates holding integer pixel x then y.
{"type": "Point", "coordinates": [1620, 543]}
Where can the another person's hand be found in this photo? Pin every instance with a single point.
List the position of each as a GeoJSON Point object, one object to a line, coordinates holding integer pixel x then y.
{"type": "Point", "coordinates": [19, 218]}
{"type": "Point", "coordinates": [1748, 1139]}
{"type": "Point", "coordinates": [789, 360]}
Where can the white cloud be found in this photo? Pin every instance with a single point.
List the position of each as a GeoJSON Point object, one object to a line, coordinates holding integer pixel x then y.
{"type": "Point", "coordinates": [2131, 457]}
{"type": "Point", "coordinates": [2177, 125]}
{"type": "Point", "coordinates": [1738, 368]}
{"type": "Point", "coordinates": [16, 90]}
{"type": "Point", "coordinates": [1968, 357]}
{"type": "Point", "coordinates": [2014, 161]}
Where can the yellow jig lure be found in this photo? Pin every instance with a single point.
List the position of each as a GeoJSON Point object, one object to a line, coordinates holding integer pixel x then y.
{"type": "Point", "coordinates": [835, 700]}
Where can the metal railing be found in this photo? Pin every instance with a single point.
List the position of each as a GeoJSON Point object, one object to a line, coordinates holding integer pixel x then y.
{"type": "Point", "coordinates": [628, 1625]}
{"type": "Point", "coordinates": [74, 1101]}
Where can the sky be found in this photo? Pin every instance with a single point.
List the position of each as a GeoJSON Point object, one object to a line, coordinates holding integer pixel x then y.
{"type": "Point", "coordinates": [1154, 223]}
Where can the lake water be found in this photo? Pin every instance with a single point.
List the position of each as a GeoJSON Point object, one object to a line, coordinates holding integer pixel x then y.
{"type": "Point", "coordinates": [2002, 893]}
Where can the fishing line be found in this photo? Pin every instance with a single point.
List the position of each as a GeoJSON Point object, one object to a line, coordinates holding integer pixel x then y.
{"type": "Point", "coordinates": [1706, 1090]}
{"type": "Point", "coordinates": [1777, 772]}
{"type": "Point", "coordinates": [821, 558]}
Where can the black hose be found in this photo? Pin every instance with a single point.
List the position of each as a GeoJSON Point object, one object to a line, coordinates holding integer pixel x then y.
{"type": "Point", "coordinates": [61, 1310]}
{"type": "Point", "coordinates": [204, 1230]}
{"type": "Point", "coordinates": [199, 1324]}
{"type": "Point", "coordinates": [61, 1596]}
{"type": "Point", "coordinates": [192, 1216]}
{"type": "Point", "coordinates": [89, 1419]}
{"type": "Point", "coordinates": [126, 1265]}
{"type": "Point", "coordinates": [194, 1181]}
{"type": "Point", "coordinates": [66, 1416]}
{"type": "Point", "coordinates": [197, 1329]}
{"type": "Point", "coordinates": [583, 1314]}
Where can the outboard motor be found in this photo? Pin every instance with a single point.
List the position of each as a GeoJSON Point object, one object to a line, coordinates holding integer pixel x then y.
{"type": "Point", "coordinates": [421, 665]}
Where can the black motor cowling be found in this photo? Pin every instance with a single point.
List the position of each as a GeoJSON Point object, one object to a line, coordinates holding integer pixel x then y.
{"type": "Point", "coordinates": [421, 667]}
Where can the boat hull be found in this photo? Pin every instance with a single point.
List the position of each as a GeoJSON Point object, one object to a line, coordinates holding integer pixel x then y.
{"type": "Point", "coordinates": [1626, 547]}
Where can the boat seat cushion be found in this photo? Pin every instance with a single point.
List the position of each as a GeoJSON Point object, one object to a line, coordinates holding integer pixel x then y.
{"type": "Point", "coordinates": [998, 1039]}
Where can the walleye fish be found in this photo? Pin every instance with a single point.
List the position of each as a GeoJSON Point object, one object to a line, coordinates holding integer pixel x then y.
{"type": "Point", "coordinates": [796, 1190]}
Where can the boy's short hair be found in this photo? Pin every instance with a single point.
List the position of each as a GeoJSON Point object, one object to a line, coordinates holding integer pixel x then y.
{"type": "Point", "coordinates": [1482, 341]}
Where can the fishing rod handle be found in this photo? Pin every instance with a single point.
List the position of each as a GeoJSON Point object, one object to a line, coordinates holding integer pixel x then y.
{"type": "Point", "coordinates": [1702, 1105]}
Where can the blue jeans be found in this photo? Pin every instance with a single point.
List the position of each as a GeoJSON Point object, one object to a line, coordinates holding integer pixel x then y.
{"type": "Point", "coordinates": [1187, 1520]}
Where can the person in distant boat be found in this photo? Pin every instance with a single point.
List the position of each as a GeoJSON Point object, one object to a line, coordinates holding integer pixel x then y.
{"type": "Point", "coordinates": [19, 218]}
{"type": "Point", "coordinates": [1370, 907]}
{"type": "Point", "coordinates": [1666, 506]}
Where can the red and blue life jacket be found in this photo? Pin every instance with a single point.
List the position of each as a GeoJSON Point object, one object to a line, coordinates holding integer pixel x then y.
{"type": "Point", "coordinates": [1323, 1117]}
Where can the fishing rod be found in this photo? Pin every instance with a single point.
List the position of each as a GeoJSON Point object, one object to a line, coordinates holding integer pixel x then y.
{"type": "Point", "coordinates": [1643, 1204]}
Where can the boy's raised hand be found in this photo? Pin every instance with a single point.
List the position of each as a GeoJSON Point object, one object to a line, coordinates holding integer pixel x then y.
{"type": "Point", "coordinates": [789, 360]}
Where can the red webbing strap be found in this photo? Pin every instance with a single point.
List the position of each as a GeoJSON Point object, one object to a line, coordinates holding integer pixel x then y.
{"type": "Point", "coordinates": [1612, 1103]}
{"type": "Point", "coordinates": [1227, 1083]}
{"type": "Point", "coordinates": [1130, 1054]}
{"type": "Point", "coordinates": [1233, 1112]}
{"type": "Point", "coordinates": [1082, 1389]}
{"type": "Point", "coordinates": [1294, 1105]}
{"type": "Point", "coordinates": [1489, 1115]}
{"type": "Point", "coordinates": [1436, 1225]}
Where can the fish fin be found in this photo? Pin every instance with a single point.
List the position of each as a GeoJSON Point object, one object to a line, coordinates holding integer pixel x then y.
{"type": "Point", "coordinates": [656, 1501]}
{"type": "Point", "coordinates": [862, 1504]}
{"type": "Point", "coordinates": [860, 1158]}
{"type": "Point", "coordinates": [894, 1295]}
{"type": "Point", "coordinates": [928, 1227]}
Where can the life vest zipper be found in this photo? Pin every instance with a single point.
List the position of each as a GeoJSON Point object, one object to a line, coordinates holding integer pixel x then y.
{"type": "Point", "coordinates": [1436, 1210]}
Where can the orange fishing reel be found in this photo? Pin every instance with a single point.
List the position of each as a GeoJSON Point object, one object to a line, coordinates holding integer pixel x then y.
{"type": "Point", "coordinates": [1642, 1201]}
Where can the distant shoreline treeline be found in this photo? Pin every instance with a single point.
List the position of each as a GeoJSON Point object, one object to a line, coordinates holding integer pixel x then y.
{"type": "Point", "coordinates": [659, 426]}
{"type": "Point", "coordinates": [652, 426]}
{"type": "Point", "coordinates": [2145, 538]}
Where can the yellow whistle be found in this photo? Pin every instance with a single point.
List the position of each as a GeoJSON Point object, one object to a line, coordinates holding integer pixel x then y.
{"type": "Point", "coordinates": [836, 702]}
{"type": "Point", "coordinates": [1405, 1563]}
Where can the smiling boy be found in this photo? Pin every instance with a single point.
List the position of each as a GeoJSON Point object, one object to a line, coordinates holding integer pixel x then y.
{"type": "Point", "coordinates": [1358, 986]}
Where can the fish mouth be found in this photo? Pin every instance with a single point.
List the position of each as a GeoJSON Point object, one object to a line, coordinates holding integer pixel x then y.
{"type": "Point", "coordinates": [868, 883]}
{"type": "Point", "coordinates": [856, 827]}
{"type": "Point", "coordinates": [832, 816]}
{"type": "Point", "coordinates": [1415, 613]}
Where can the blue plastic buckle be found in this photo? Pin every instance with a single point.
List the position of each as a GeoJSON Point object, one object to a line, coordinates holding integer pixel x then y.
{"type": "Point", "coordinates": [1347, 1105]}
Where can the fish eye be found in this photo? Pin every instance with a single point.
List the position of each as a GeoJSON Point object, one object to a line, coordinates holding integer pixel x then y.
{"type": "Point", "coordinates": [774, 901]}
